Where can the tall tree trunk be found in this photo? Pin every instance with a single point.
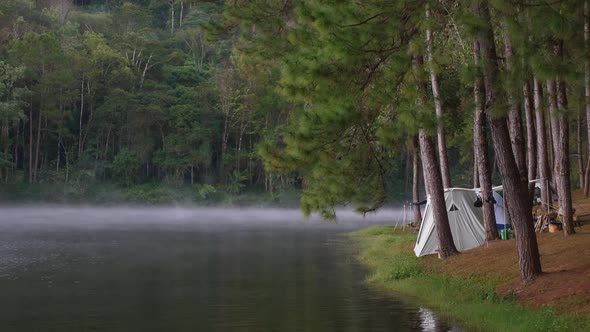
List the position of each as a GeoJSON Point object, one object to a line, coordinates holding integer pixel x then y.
{"type": "Point", "coordinates": [433, 180]}
{"type": "Point", "coordinates": [36, 166]}
{"type": "Point", "coordinates": [560, 135]}
{"type": "Point", "coordinates": [203, 52]}
{"type": "Point", "coordinates": [446, 246]}
{"type": "Point", "coordinates": [531, 147]}
{"type": "Point", "coordinates": [416, 179]}
{"type": "Point", "coordinates": [106, 144]}
{"type": "Point", "coordinates": [475, 168]}
{"type": "Point", "coordinates": [181, 13]}
{"type": "Point", "coordinates": [224, 139]}
{"type": "Point", "coordinates": [16, 142]}
{"type": "Point", "coordinates": [90, 113]}
{"type": "Point", "coordinates": [81, 116]}
{"type": "Point", "coordinates": [515, 189]}
{"type": "Point", "coordinates": [31, 140]}
{"type": "Point", "coordinates": [580, 150]}
{"type": "Point", "coordinates": [587, 94]}
{"type": "Point", "coordinates": [171, 17]}
{"type": "Point", "coordinates": [562, 163]}
{"type": "Point", "coordinates": [481, 152]}
{"type": "Point", "coordinates": [58, 153]}
{"type": "Point", "coordinates": [5, 147]}
{"type": "Point", "coordinates": [239, 145]}
{"type": "Point", "coordinates": [146, 67]}
{"type": "Point", "coordinates": [441, 137]}
{"type": "Point", "coordinates": [514, 114]}
{"type": "Point", "coordinates": [542, 159]}
{"type": "Point", "coordinates": [67, 155]}
{"type": "Point", "coordinates": [554, 129]}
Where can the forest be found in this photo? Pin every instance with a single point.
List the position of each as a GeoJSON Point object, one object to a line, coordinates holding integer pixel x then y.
{"type": "Point", "coordinates": [365, 103]}
{"type": "Point", "coordinates": [117, 100]}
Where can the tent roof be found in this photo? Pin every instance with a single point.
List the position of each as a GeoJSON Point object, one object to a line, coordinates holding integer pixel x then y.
{"type": "Point", "coordinates": [501, 188]}
{"type": "Point", "coordinates": [459, 189]}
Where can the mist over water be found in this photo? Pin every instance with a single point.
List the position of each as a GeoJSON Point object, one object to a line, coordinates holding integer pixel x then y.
{"type": "Point", "coordinates": [191, 269]}
{"type": "Point", "coordinates": [99, 217]}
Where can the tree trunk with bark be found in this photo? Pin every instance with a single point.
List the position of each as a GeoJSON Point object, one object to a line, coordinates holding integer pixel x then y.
{"type": "Point", "coordinates": [542, 159]}
{"type": "Point", "coordinates": [416, 180]}
{"type": "Point", "coordinates": [554, 129]}
{"type": "Point", "coordinates": [446, 246]}
{"type": "Point", "coordinates": [146, 67]}
{"type": "Point", "coordinates": [433, 180]}
{"type": "Point", "coordinates": [58, 153]}
{"type": "Point", "coordinates": [562, 161]}
{"type": "Point", "coordinates": [481, 153]}
{"type": "Point", "coordinates": [531, 147]}
{"type": "Point", "coordinates": [580, 150]}
{"type": "Point", "coordinates": [475, 168]}
{"type": "Point", "coordinates": [171, 2]}
{"type": "Point", "coordinates": [587, 93]}
{"type": "Point", "coordinates": [16, 143]}
{"type": "Point", "coordinates": [31, 141]}
{"type": "Point", "coordinates": [515, 189]}
{"type": "Point", "coordinates": [180, 19]}
{"type": "Point", "coordinates": [81, 117]}
{"type": "Point", "coordinates": [441, 136]}
{"type": "Point", "coordinates": [5, 147]}
{"type": "Point", "coordinates": [226, 92]}
{"type": "Point", "coordinates": [515, 114]}
{"type": "Point", "coordinates": [37, 147]}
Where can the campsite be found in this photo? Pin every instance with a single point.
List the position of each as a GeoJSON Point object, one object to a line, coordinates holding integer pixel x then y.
{"type": "Point", "coordinates": [465, 219]}
{"type": "Point", "coordinates": [482, 280]}
{"type": "Point", "coordinates": [481, 286]}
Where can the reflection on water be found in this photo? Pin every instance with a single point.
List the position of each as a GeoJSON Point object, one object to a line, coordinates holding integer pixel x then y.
{"type": "Point", "coordinates": [188, 270]}
{"type": "Point", "coordinates": [430, 322]}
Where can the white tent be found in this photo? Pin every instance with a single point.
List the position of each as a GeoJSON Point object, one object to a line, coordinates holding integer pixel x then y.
{"type": "Point", "coordinates": [465, 219]}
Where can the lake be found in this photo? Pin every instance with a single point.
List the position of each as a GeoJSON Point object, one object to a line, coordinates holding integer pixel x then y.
{"type": "Point", "coordinates": [185, 269]}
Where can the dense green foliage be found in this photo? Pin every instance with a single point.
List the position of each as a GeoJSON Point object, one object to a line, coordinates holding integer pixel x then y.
{"type": "Point", "coordinates": [342, 73]}
{"type": "Point", "coordinates": [472, 301]}
{"type": "Point", "coordinates": [131, 93]}
{"type": "Point", "coordinates": [356, 77]}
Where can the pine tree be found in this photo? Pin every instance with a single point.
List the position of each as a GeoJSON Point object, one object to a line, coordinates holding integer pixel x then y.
{"type": "Point", "coordinates": [416, 179]}
{"type": "Point", "coordinates": [438, 106]}
{"type": "Point", "coordinates": [515, 189]}
{"type": "Point", "coordinates": [481, 152]}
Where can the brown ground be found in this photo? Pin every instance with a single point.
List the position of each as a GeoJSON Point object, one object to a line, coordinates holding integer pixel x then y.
{"type": "Point", "coordinates": [565, 283]}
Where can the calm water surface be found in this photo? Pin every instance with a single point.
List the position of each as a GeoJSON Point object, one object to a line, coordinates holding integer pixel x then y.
{"type": "Point", "coordinates": [123, 269]}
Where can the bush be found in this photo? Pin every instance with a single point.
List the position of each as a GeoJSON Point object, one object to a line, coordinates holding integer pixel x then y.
{"type": "Point", "coordinates": [203, 192]}
{"type": "Point", "coordinates": [125, 165]}
{"type": "Point", "coordinates": [153, 193]}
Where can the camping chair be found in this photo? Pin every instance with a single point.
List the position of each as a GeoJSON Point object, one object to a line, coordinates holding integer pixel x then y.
{"type": "Point", "coordinates": [550, 217]}
{"type": "Point", "coordinates": [556, 219]}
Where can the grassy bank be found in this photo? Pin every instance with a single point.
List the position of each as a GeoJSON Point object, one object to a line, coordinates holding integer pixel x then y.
{"type": "Point", "coordinates": [470, 298]}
